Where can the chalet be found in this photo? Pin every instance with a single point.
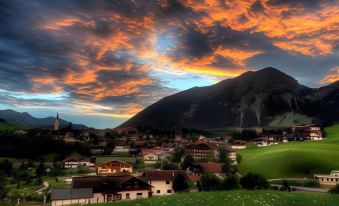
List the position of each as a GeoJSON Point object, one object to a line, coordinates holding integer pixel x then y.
{"type": "Point", "coordinates": [308, 132]}
{"type": "Point", "coordinates": [96, 149]}
{"type": "Point", "coordinates": [121, 148]}
{"type": "Point", "coordinates": [264, 142]}
{"type": "Point", "coordinates": [209, 167]}
{"type": "Point", "coordinates": [330, 180]}
{"type": "Point", "coordinates": [151, 158]}
{"type": "Point", "coordinates": [113, 188]}
{"type": "Point", "coordinates": [239, 144]}
{"type": "Point", "coordinates": [232, 155]}
{"type": "Point", "coordinates": [162, 180]}
{"type": "Point", "coordinates": [201, 150]}
{"type": "Point", "coordinates": [73, 163]}
{"type": "Point", "coordinates": [113, 167]}
{"type": "Point", "coordinates": [68, 196]}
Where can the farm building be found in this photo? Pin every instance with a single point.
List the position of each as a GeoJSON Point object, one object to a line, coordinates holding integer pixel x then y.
{"type": "Point", "coordinates": [113, 167]}
{"type": "Point", "coordinates": [330, 180]}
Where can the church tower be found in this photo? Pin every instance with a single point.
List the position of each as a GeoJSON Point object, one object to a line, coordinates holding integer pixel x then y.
{"type": "Point", "coordinates": [57, 123]}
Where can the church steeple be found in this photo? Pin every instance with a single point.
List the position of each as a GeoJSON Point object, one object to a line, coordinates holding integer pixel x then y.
{"type": "Point", "coordinates": [57, 123]}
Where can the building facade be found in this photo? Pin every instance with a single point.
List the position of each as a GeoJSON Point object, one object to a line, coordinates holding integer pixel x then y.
{"type": "Point", "coordinates": [113, 188]}
{"type": "Point", "coordinates": [113, 167]}
{"type": "Point", "coordinates": [330, 180]}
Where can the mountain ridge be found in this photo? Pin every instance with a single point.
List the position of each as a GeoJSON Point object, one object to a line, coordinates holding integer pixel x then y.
{"type": "Point", "coordinates": [253, 99]}
{"type": "Point", "coordinates": [27, 120]}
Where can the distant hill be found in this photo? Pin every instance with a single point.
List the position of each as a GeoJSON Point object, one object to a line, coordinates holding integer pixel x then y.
{"type": "Point", "coordinates": [5, 126]}
{"type": "Point", "coordinates": [264, 98]}
{"type": "Point", "coordinates": [26, 120]}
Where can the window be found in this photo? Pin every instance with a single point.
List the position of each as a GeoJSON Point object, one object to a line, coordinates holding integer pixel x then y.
{"type": "Point", "coordinates": [167, 182]}
{"type": "Point", "coordinates": [139, 195]}
{"type": "Point", "coordinates": [158, 191]}
{"type": "Point", "coordinates": [127, 196]}
{"type": "Point", "coordinates": [169, 191]}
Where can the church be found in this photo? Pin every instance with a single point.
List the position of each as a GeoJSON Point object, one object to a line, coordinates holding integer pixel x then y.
{"type": "Point", "coordinates": [57, 123]}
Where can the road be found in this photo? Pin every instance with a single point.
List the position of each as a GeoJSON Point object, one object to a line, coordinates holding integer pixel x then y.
{"type": "Point", "coordinates": [304, 189]}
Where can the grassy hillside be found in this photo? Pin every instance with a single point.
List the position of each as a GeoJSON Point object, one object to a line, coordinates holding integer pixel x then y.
{"type": "Point", "coordinates": [295, 159]}
{"type": "Point", "coordinates": [237, 198]}
{"type": "Point", "coordinates": [7, 127]}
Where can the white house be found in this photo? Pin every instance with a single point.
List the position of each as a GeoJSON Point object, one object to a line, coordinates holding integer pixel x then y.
{"type": "Point", "coordinates": [330, 180]}
{"type": "Point", "coordinates": [151, 158]}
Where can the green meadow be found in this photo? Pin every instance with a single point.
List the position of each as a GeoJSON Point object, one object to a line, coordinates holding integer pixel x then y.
{"type": "Point", "coordinates": [7, 127]}
{"type": "Point", "coordinates": [294, 159]}
{"type": "Point", "coordinates": [236, 198]}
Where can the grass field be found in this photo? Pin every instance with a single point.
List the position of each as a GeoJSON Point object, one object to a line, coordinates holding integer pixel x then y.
{"type": "Point", "coordinates": [295, 159]}
{"type": "Point", "coordinates": [236, 198]}
{"type": "Point", "coordinates": [7, 127]}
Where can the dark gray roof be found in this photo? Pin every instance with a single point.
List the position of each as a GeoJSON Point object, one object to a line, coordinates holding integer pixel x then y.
{"type": "Point", "coordinates": [70, 193]}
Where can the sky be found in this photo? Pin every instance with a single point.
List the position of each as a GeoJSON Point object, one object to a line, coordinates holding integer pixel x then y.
{"type": "Point", "coordinates": [100, 62]}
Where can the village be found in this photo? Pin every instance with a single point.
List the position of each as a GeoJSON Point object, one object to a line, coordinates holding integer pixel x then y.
{"type": "Point", "coordinates": [125, 164]}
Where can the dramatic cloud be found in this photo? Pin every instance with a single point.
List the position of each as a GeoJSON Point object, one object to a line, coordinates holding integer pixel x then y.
{"type": "Point", "coordinates": [114, 58]}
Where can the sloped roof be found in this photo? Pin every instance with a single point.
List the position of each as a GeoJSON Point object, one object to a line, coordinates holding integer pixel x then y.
{"type": "Point", "coordinates": [211, 167]}
{"type": "Point", "coordinates": [168, 175]}
{"type": "Point", "coordinates": [71, 193]}
{"type": "Point", "coordinates": [104, 183]}
{"type": "Point", "coordinates": [114, 161]}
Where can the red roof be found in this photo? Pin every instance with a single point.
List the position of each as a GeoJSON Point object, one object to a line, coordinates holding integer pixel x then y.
{"type": "Point", "coordinates": [168, 175]}
{"type": "Point", "coordinates": [211, 167]}
{"type": "Point", "coordinates": [113, 161]}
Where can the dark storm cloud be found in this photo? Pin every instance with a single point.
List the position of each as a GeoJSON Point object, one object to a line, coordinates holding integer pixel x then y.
{"type": "Point", "coordinates": [104, 53]}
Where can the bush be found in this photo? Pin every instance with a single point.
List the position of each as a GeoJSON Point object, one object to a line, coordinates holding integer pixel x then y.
{"type": "Point", "coordinates": [254, 181]}
{"type": "Point", "coordinates": [230, 183]}
{"type": "Point", "coordinates": [180, 183]}
{"type": "Point", "coordinates": [210, 182]}
{"type": "Point", "coordinates": [187, 163]}
{"type": "Point", "coordinates": [335, 190]}
{"type": "Point", "coordinates": [169, 166]}
{"type": "Point", "coordinates": [56, 172]}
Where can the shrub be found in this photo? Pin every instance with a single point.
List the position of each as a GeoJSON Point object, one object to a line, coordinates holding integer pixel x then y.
{"type": "Point", "coordinates": [335, 190]}
{"type": "Point", "coordinates": [230, 183]}
{"type": "Point", "coordinates": [187, 163]}
{"type": "Point", "coordinates": [180, 183]}
{"type": "Point", "coordinates": [210, 182]}
{"type": "Point", "coordinates": [254, 181]}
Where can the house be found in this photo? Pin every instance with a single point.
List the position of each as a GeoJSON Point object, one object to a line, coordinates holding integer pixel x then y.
{"type": "Point", "coordinates": [151, 158]}
{"type": "Point", "coordinates": [264, 142]}
{"type": "Point", "coordinates": [162, 180]}
{"type": "Point", "coordinates": [209, 167]}
{"type": "Point", "coordinates": [113, 167]}
{"type": "Point", "coordinates": [113, 188]}
{"type": "Point", "coordinates": [96, 149]}
{"type": "Point", "coordinates": [232, 155]}
{"type": "Point", "coordinates": [330, 180]}
{"type": "Point", "coordinates": [201, 150]}
{"type": "Point", "coordinates": [72, 163]}
{"type": "Point", "coordinates": [68, 196]}
{"type": "Point", "coordinates": [309, 132]}
{"type": "Point", "coordinates": [239, 144]}
{"type": "Point", "coordinates": [121, 148]}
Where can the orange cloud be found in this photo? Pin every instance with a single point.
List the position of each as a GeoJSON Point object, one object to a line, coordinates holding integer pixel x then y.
{"type": "Point", "coordinates": [297, 28]}
{"type": "Point", "coordinates": [238, 56]}
{"type": "Point", "coordinates": [331, 76]}
{"type": "Point", "coordinates": [122, 111]}
{"type": "Point", "coordinates": [46, 83]}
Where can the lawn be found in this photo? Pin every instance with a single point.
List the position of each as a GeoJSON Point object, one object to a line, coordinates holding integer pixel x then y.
{"type": "Point", "coordinates": [7, 127]}
{"type": "Point", "coordinates": [236, 198]}
{"type": "Point", "coordinates": [294, 159]}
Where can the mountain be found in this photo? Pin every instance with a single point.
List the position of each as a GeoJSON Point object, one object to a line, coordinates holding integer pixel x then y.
{"type": "Point", "coordinates": [26, 120]}
{"type": "Point", "coordinates": [264, 98]}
